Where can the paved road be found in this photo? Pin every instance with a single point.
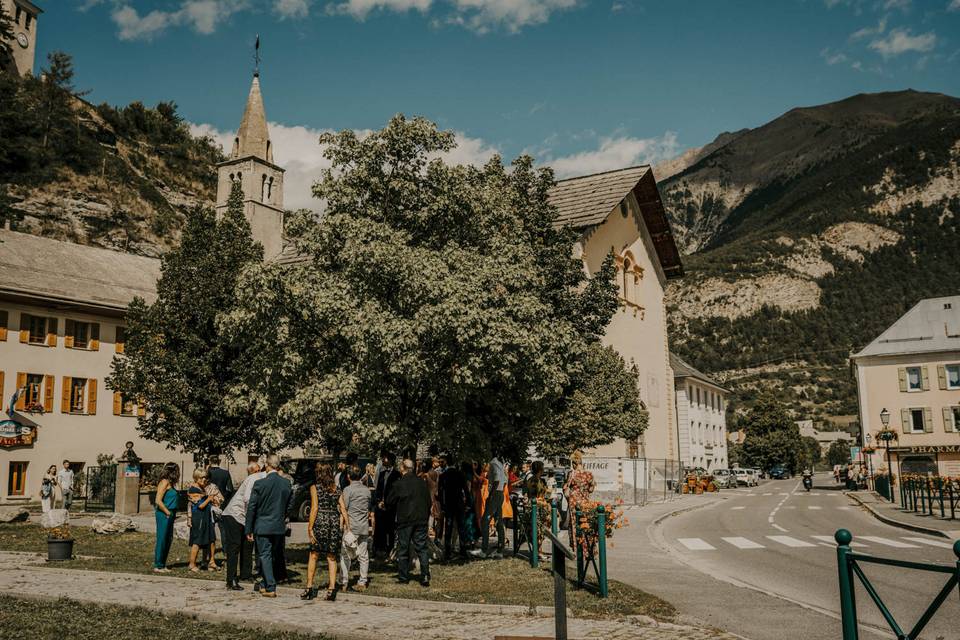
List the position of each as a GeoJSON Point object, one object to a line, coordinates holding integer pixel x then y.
{"type": "Point", "coordinates": [777, 540]}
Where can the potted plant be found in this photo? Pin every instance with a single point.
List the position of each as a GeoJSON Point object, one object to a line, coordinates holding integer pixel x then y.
{"type": "Point", "coordinates": [59, 543]}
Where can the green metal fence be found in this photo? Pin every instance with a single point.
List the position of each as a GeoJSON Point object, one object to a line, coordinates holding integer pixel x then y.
{"type": "Point", "coordinates": [592, 551]}
{"type": "Point", "coordinates": [848, 564]}
{"type": "Point", "coordinates": [933, 496]}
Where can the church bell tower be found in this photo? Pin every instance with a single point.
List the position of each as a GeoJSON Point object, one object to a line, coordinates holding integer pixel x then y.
{"type": "Point", "coordinates": [251, 164]}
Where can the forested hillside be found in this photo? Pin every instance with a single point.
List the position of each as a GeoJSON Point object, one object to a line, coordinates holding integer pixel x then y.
{"type": "Point", "coordinates": [821, 258]}
{"type": "Point", "coordinates": [114, 177]}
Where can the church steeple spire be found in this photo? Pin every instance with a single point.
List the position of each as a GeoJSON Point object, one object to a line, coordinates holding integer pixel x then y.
{"type": "Point", "coordinates": [253, 138]}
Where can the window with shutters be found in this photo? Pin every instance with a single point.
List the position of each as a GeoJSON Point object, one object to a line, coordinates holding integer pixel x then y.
{"type": "Point", "coordinates": [953, 376]}
{"type": "Point", "coordinates": [4, 318]}
{"type": "Point", "coordinates": [37, 329]}
{"type": "Point", "coordinates": [916, 424]}
{"type": "Point", "coordinates": [914, 379]}
{"type": "Point", "coordinates": [78, 396]}
{"type": "Point", "coordinates": [17, 479]}
{"type": "Point", "coordinates": [119, 343]}
{"type": "Point", "coordinates": [951, 419]}
{"type": "Point", "coordinates": [124, 406]}
{"type": "Point", "coordinates": [33, 391]}
{"type": "Point", "coordinates": [82, 335]}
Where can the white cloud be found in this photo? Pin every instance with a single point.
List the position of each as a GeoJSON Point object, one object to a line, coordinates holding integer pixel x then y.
{"type": "Point", "coordinates": [616, 153]}
{"type": "Point", "coordinates": [903, 5]}
{"type": "Point", "coordinates": [867, 32]}
{"type": "Point", "coordinates": [297, 149]}
{"type": "Point", "coordinates": [360, 9]}
{"type": "Point", "coordinates": [291, 8]}
{"type": "Point", "coordinates": [204, 16]}
{"type": "Point", "coordinates": [478, 15]}
{"type": "Point", "coordinates": [902, 41]}
{"type": "Point", "coordinates": [954, 5]}
{"type": "Point", "coordinates": [832, 58]}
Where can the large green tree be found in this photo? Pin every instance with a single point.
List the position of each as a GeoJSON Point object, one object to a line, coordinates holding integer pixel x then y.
{"type": "Point", "coordinates": [6, 41]}
{"type": "Point", "coordinates": [839, 452]}
{"type": "Point", "coordinates": [772, 437]}
{"type": "Point", "coordinates": [176, 359]}
{"type": "Point", "coordinates": [432, 304]}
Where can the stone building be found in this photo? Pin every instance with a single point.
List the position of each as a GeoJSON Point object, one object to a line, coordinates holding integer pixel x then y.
{"type": "Point", "coordinates": [701, 417]}
{"type": "Point", "coordinates": [24, 15]}
{"type": "Point", "coordinates": [913, 371]}
{"type": "Point", "coordinates": [620, 212]}
{"type": "Point", "coordinates": [62, 319]}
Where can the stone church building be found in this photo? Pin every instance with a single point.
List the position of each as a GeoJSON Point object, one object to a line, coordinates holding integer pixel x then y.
{"type": "Point", "coordinates": [62, 314]}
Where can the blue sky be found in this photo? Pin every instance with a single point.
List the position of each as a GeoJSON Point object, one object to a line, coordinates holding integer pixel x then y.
{"type": "Point", "coordinates": [582, 84]}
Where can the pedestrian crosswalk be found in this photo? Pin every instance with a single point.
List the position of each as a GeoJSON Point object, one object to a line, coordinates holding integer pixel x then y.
{"type": "Point", "coordinates": [806, 541]}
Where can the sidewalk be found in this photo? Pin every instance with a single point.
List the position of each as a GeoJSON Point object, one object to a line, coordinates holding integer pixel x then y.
{"type": "Point", "coordinates": [352, 617]}
{"type": "Point", "coordinates": [891, 514]}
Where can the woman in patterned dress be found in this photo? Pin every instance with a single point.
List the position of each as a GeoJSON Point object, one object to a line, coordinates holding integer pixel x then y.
{"type": "Point", "coordinates": [537, 491]}
{"type": "Point", "coordinates": [328, 519]}
{"type": "Point", "coordinates": [580, 486]}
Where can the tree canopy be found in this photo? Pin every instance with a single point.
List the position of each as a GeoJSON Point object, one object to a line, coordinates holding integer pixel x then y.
{"type": "Point", "coordinates": [839, 452]}
{"type": "Point", "coordinates": [176, 360]}
{"type": "Point", "coordinates": [771, 437]}
{"type": "Point", "coordinates": [431, 303]}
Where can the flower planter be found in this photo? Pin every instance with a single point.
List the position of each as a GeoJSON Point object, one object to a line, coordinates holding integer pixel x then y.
{"type": "Point", "coordinates": [59, 549]}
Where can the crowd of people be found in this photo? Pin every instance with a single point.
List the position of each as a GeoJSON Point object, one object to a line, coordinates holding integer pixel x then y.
{"type": "Point", "coordinates": [852, 476]}
{"type": "Point", "coordinates": [405, 511]}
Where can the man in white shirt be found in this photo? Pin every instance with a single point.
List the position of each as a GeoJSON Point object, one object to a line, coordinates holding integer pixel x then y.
{"type": "Point", "coordinates": [497, 479]}
{"type": "Point", "coordinates": [65, 480]}
{"type": "Point", "coordinates": [235, 545]}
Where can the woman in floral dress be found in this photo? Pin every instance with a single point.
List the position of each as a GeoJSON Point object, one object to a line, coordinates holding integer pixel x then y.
{"type": "Point", "coordinates": [537, 492]}
{"type": "Point", "coordinates": [328, 519]}
{"type": "Point", "coordinates": [580, 486]}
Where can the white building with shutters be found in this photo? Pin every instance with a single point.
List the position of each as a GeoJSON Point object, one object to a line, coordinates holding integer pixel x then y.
{"type": "Point", "coordinates": [701, 417]}
{"type": "Point", "coordinates": [913, 371]}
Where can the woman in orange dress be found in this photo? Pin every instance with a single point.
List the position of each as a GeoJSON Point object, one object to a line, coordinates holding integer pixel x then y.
{"type": "Point", "coordinates": [481, 489]}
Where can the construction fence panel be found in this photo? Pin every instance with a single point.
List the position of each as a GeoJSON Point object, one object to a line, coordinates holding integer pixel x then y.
{"type": "Point", "coordinates": [634, 481]}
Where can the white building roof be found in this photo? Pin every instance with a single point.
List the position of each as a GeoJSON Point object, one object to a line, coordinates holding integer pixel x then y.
{"type": "Point", "coordinates": [932, 325]}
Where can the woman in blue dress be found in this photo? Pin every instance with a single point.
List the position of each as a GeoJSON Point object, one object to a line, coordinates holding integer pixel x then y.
{"type": "Point", "coordinates": [166, 511]}
{"type": "Point", "coordinates": [202, 533]}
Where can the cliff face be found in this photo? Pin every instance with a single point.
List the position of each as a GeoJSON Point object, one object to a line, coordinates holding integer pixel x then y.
{"type": "Point", "coordinates": [808, 236]}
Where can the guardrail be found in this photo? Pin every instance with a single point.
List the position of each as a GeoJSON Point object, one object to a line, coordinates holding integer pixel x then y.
{"type": "Point", "coordinates": [848, 564]}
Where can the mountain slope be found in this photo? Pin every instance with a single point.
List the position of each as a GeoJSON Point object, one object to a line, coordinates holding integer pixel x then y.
{"type": "Point", "coordinates": [850, 217]}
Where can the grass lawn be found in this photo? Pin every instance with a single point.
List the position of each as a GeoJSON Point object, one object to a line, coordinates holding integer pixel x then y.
{"type": "Point", "coordinates": [40, 620]}
{"type": "Point", "coordinates": [506, 581]}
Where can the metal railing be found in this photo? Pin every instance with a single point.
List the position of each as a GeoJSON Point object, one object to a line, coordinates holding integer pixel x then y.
{"type": "Point", "coordinates": [848, 564]}
{"type": "Point", "coordinates": [592, 551]}
{"type": "Point", "coordinates": [930, 496]}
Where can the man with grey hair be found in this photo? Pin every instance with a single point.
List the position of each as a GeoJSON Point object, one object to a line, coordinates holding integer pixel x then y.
{"type": "Point", "coordinates": [410, 498]}
{"type": "Point", "coordinates": [266, 520]}
{"type": "Point", "coordinates": [235, 545]}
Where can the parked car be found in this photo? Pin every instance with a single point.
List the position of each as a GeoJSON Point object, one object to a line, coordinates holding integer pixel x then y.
{"type": "Point", "coordinates": [724, 478]}
{"type": "Point", "coordinates": [303, 472]}
{"type": "Point", "coordinates": [754, 476]}
{"type": "Point", "coordinates": [779, 472]}
{"type": "Point", "coordinates": [742, 477]}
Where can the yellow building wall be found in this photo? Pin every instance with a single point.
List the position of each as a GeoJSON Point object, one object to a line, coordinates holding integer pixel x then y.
{"type": "Point", "coordinates": [638, 331]}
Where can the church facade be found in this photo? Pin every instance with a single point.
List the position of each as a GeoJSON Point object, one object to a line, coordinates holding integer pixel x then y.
{"type": "Point", "coordinates": [23, 15]}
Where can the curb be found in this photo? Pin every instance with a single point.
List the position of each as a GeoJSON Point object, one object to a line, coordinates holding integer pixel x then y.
{"type": "Point", "coordinates": [897, 523]}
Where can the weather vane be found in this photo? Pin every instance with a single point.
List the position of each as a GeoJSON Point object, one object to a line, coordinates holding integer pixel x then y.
{"type": "Point", "coordinates": [256, 57]}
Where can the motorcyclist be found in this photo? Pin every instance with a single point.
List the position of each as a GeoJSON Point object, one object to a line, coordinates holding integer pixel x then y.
{"type": "Point", "coordinates": [807, 479]}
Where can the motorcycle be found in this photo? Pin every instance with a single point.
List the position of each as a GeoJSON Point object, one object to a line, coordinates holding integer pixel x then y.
{"type": "Point", "coordinates": [807, 482]}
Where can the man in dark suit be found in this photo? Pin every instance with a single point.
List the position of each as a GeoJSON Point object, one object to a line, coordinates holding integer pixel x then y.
{"type": "Point", "coordinates": [411, 500]}
{"type": "Point", "coordinates": [220, 477]}
{"type": "Point", "coordinates": [385, 515]}
{"type": "Point", "coordinates": [266, 519]}
{"type": "Point", "coordinates": [453, 494]}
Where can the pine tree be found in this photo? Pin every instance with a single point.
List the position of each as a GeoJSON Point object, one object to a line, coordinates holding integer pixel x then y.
{"type": "Point", "coordinates": [6, 40]}
{"type": "Point", "coordinates": [177, 360]}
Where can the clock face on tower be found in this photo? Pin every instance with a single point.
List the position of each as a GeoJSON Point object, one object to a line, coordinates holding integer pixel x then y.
{"type": "Point", "coordinates": [22, 40]}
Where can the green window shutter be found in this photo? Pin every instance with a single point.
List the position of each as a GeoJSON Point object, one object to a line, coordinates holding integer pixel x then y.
{"type": "Point", "coordinates": [905, 423]}
{"type": "Point", "coordinates": [942, 376]}
{"type": "Point", "coordinates": [902, 374]}
{"type": "Point", "coordinates": [927, 420]}
{"type": "Point", "coordinates": [924, 378]}
{"type": "Point", "coordinates": [948, 420]}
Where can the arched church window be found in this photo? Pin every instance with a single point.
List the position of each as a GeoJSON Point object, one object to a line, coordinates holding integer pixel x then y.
{"type": "Point", "coordinates": [263, 188]}
{"type": "Point", "coordinates": [270, 189]}
{"type": "Point", "coordinates": [627, 277]}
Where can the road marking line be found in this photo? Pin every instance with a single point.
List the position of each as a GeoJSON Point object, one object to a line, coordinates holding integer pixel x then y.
{"type": "Point", "coordinates": [932, 543]}
{"type": "Point", "coordinates": [787, 541]}
{"type": "Point", "coordinates": [779, 528]}
{"type": "Point", "coordinates": [743, 543]}
{"type": "Point", "coordinates": [768, 494]}
{"type": "Point", "coordinates": [696, 544]}
{"type": "Point", "coordinates": [833, 541]}
{"type": "Point", "coordinates": [890, 543]}
{"type": "Point", "coordinates": [843, 508]}
{"type": "Point", "coordinates": [736, 508]}
{"type": "Point", "coordinates": [784, 494]}
{"type": "Point", "coordinates": [813, 507]}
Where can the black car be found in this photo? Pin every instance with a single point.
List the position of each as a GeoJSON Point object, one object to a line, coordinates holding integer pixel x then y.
{"type": "Point", "coordinates": [779, 472]}
{"type": "Point", "coordinates": [303, 472]}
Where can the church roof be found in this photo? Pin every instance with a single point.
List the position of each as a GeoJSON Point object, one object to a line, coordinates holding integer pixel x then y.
{"type": "Point", "coordinates": [587, 201]}
{"type": "Point", "coordinates": [932, 325]}
{"type": "Point", "coordinates": [253, 137]}
{"type": "Point", "coordinates": [33, 267]}
{"type": "Point", "coordinates": [683, 369]}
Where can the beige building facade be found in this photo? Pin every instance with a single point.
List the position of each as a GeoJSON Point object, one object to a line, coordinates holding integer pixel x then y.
{"type": "Point", "coordinates": [912, 370]}
{"type": "Point", "coordinates": [620, 212]}
{"type": "Point", "coordinates": [24, 16]}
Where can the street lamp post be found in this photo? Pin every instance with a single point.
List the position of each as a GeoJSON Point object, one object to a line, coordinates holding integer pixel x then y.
{"type": "Point", "coordinates": [887, 435]}
{"type": "Point", "coordinates": [869, 457]}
